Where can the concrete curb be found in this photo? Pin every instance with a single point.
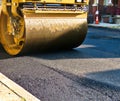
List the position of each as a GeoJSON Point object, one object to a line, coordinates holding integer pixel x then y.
{"type": "Point", "coordinates": [104, 27]}
{"type": "Point", "coordinates": [10, 91]}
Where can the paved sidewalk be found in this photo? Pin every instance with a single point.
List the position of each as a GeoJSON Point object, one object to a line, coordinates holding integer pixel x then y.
{"type": "Point", "coordinates": [10, 91]}
{"type": "Point", "coordinates": [106, 25]}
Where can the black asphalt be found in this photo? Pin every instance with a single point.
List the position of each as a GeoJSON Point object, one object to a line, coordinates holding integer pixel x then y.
{"type": "Point", "coordinates": [51, 84]}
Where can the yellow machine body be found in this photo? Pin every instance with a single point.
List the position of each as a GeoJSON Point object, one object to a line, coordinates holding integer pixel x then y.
{"type": "Point", "coordinates": [38, 25]}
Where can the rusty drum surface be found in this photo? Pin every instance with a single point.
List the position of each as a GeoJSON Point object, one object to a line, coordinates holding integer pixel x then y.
{"type": "Point", "coordinates": [54, 33]}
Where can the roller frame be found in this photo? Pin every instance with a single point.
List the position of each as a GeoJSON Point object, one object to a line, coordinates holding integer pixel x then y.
{"type": "Point", "coordinates": [15, 15]}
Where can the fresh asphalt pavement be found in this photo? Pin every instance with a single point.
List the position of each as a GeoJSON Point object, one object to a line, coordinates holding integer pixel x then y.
{"type": "Point", "coordinates": [90, 72]}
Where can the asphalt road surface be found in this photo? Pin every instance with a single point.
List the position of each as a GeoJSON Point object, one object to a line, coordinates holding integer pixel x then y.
{"type": "Point", "coordinates": [90, 72]}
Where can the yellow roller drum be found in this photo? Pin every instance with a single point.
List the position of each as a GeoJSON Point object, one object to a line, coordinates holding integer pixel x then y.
{"type": "Point", "coordinates": [39, 32]}
{"type": "Point", "coordinates": [0, 22]}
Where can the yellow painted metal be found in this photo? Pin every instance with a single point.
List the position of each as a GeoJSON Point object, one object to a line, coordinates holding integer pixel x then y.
{"type": "Point", "coordinates": [59, 1]}
{"type": "Point", "coordinates": [55, 1]}
{"type": "Point", "coordinates": [11, 35]}
{"type": "Point", "coordinates": [26, 30]}
{"type": "Point", "coordinates": [0, 23]}
{"type": "Point", "coordinates": [49, 1]}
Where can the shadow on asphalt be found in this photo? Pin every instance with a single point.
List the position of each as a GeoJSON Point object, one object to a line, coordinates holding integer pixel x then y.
{"type": "Point", "coordinates": [83, 53]}
{"type": "Point", "coordinates": [77, 53]}
{"type": "Point", "coordinates": [3, 54]}
{"type": "Point", "coordinates": [111, 77]}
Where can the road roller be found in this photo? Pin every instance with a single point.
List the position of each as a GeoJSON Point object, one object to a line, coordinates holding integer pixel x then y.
{"type": "Point", "coordinates": [42, 25]}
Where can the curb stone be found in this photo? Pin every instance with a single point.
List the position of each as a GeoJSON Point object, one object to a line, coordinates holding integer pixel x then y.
{"type": "Point", "coordinates": [114, 28]}
{"type": "Point", "coordinates": [10, 91]}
